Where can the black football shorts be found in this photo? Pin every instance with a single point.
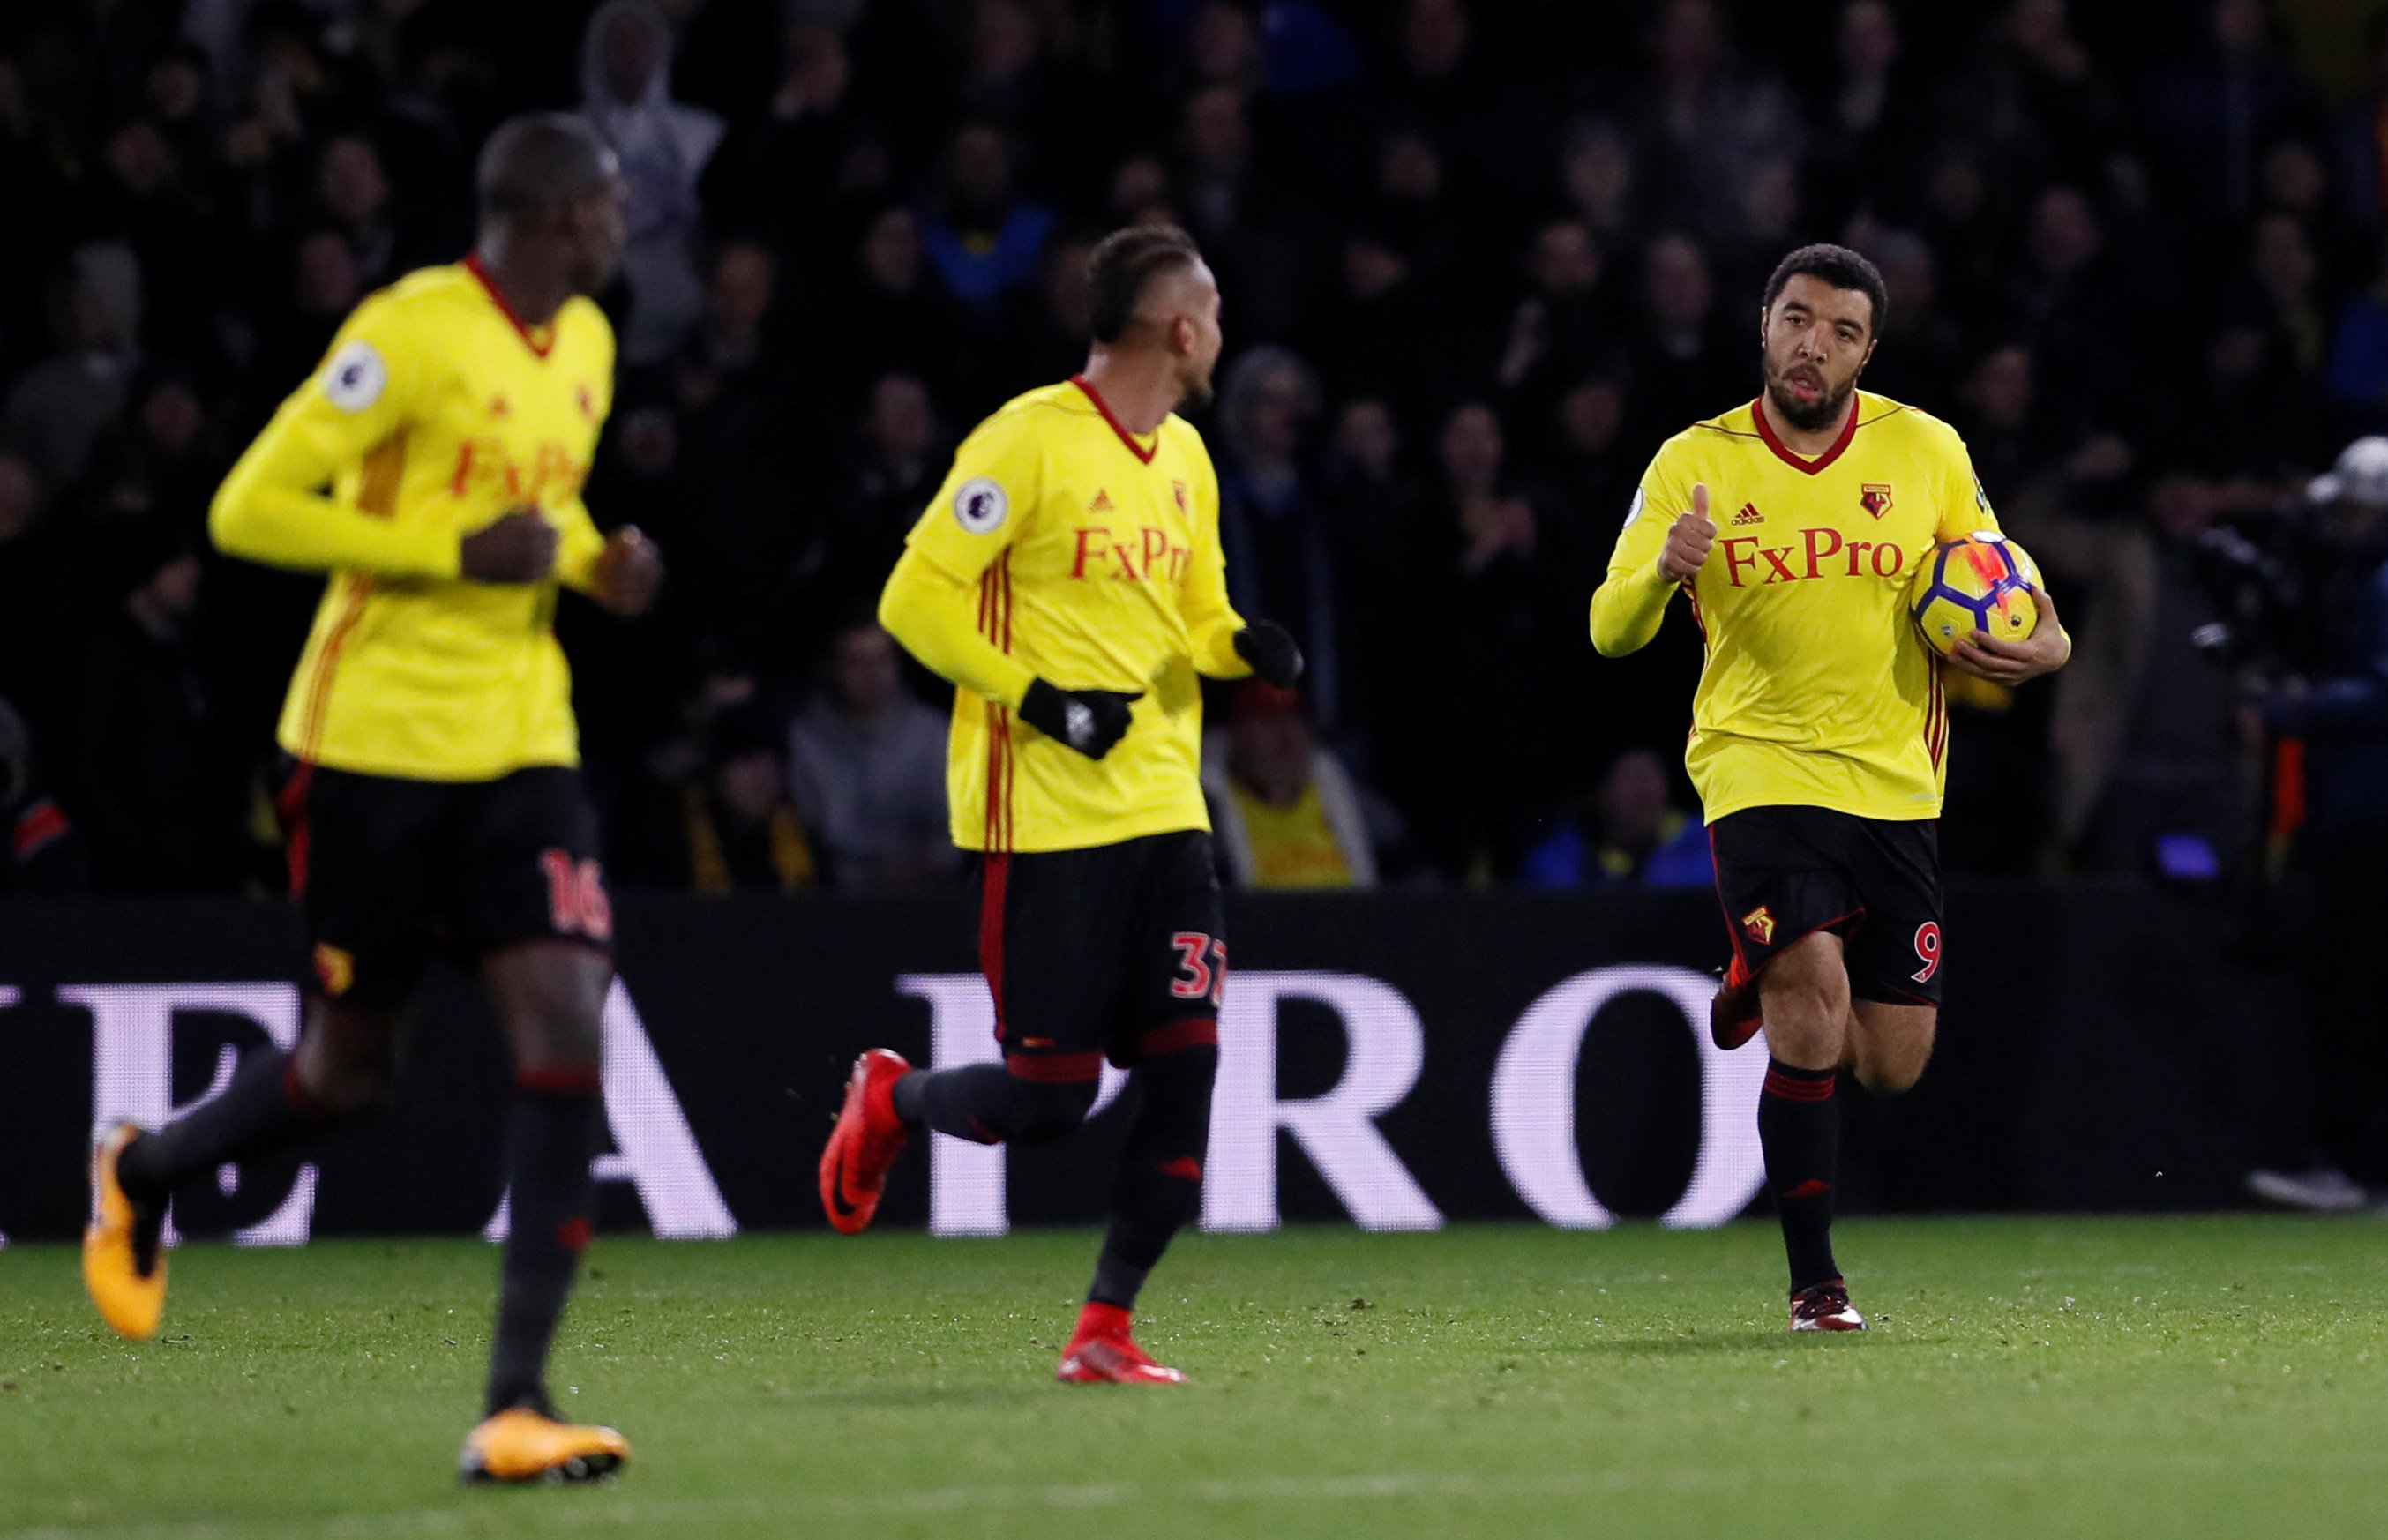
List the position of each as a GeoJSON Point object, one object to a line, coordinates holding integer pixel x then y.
{"type": "Point", "coordinates": [392, 871]}
{"type": "Point", "coordinates": [1786, 872]}
{"type": "Point", "coordinates": [1113, 952]}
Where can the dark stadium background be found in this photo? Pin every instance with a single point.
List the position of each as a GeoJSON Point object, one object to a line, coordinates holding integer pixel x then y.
{"type": "Point", "coordinates": [1505, 248]}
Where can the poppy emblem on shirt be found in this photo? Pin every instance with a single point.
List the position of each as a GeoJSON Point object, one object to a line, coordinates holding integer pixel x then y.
{"type": "Point", "coordinates": [1876, 498]}
{"type": "Point", "coordinates": [1760, 923]}
{"type": "Point", "coordinates": [1177, 489]}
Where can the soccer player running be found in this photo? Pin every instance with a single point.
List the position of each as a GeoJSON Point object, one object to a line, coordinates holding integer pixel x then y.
{"type": "Point", "coordinates": [1068, 577]}
{"type": "Point", "coordinates": [433, 800]}
{"type": "Point", "coordinates": [1819, 726]}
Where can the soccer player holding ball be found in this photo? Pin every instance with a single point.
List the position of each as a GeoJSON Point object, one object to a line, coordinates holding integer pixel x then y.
{"type": "Point", "coordinates": [432, 466]}
{"type": "Point", "coordinates": [1068, 577]}
{"type": "Point", "coordinates": [1798, 526]}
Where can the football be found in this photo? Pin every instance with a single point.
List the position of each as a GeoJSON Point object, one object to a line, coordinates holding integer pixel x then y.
{"type": "Point", "coordinates": [1981, 583]}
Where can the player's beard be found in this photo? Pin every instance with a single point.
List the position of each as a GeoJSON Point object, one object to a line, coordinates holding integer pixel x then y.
{"type": "Point", "coordinates": [1826, 410]}
{"type": "Point", "coordinates": [1194, 395]}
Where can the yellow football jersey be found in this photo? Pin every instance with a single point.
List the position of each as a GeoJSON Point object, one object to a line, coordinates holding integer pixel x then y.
{"type": "Point", "coordinates": [435, 412]}
{"type": "Point", "coordinates": [1816, 691]}
{"type": "Point", "coordinates": [1063, 548]}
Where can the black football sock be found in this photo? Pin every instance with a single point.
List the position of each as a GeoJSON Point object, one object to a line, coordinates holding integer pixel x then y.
{"type": "Point", "coordinates": [262, 1110]}
{"type": "Point", "coordinates": [1160, 1186]}
{"type": "Point", "coordinates": [1799, 1128]}
{"type": "Point", "coordinates": [988, 1104]}
{"type": "Point", "coordinates": [550, 1139]}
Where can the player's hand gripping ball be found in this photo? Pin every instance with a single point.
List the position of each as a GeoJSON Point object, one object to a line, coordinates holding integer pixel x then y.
{"type": "Point", "coordinates": [1981, 584]}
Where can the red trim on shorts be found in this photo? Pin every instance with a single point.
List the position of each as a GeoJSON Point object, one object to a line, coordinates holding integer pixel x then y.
{"type": "Point", "coordinates": [1124, 437]}
{"type": "Point", "coordinates": [1793, 1087]}
{"type": "Point", "coordinates": [37, 826]}
{"type": "Point", "coordinates": [292, 806]}
{"type": "Point", "coordinates": [1783, 453]}
{"type": "Point", "coordinates": [581, 1082]}
{"type": "Point", "coordinates": [993, 884]}
{"type": "Point", "coordinates": [1195, 1031]}
{"type": "Point", "coordinates": [1055, 1069]}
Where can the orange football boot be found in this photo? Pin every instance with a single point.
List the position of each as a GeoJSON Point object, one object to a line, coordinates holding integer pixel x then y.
{"type": "Point", "coordinates": [865, 1142]}
{"type": "Point", "coordinates": [123, 1265]}
{"type": "Point", "coordinates": [1733, 1015]}
{"type": "Point", "coordinates": [524, 1444]}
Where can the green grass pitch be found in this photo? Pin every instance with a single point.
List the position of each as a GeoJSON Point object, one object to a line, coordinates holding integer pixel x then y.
{"type": "Point", "coordinates": [2032, 1378]}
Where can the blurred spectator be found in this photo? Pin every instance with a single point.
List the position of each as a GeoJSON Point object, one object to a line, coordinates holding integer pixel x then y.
{"type": "Point", "coordinates": [891, 470]}
{"type": "Point", "coordinates": [727, 827]}
{"type": "Point", "coordinates": [1707, 115]}
{"type": "Point", "coordinates": [143, 775]}
{"type": "Point", "coordinates": [1690, 360]}
{"type": "Point", "coordinates": [2215, 110]}
{"type": "Point", "coordinates": [1632, 835]}
{"type": "Point", "coordinates": [60, 406]}
{"type": "Point", "coordinates": [626, 95]}
{"type": "Point", "coordinates": [1281, 561]}
{"type": "Point", "coordinates": [43, 854]}
{"type": "Point", "coordinates": [986, 240]}
{"type": "Point", "coordinates": [1286, 815]}
{"type": "Point", "coordinates": [867, 770]}
{"type": "Point", "coordinates": [2172, 783]}
{"type": "Point", "coordinates": [2338, 768]}
{"type": "Point", "coordinates": [1602, 182]}
{"type": "Point", "coordinates": [1476, 778]}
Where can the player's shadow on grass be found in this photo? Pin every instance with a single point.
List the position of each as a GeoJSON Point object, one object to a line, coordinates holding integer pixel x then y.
{"type": "Point", "coordinates": [1673, 1346]}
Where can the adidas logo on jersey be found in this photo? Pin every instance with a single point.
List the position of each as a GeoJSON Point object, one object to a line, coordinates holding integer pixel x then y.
{"type": "Point", "coordinates": [1749, 515]}
{"type": "Point", "coordinates": [1102, 503]}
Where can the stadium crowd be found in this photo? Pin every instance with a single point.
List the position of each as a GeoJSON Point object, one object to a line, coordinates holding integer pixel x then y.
{"type": "Point", "coordinates": [1480, 259]}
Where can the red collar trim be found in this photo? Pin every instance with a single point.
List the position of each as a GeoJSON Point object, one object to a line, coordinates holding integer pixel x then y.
{"type": "Point", "coordinates": [472, 264]}
{"type": "Point", "coordinates": [1126, 437]}
{"type": "Point", "coordinates": [1782, 451]}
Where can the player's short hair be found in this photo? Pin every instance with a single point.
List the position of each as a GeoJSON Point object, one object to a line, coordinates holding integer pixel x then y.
{"type": "Point", "coordinates": [1839, 266]}
{"type": "Point", "coordinates": [539, 162]}
{"type": "Point", "coordinates": [1122, 264]}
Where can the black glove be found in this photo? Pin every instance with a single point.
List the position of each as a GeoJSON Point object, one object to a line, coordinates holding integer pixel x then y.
{"type": "Point", "coordinates": [1087, 720]}
{"type": "Point", "coordinates": [1271, 650]}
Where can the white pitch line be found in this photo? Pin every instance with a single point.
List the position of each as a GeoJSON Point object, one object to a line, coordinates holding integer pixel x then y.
{"type": "Point", "coordinates": [595, 1512]}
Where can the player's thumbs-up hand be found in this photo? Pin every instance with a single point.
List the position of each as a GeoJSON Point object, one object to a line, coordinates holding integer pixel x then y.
{"type": "Point", "coordinates": [518, 548]}
{"type": "Point", "coordinates": [1688, 540]}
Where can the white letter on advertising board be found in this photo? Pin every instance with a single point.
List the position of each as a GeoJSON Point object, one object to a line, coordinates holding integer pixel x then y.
{"type": "Point", "coordinates": [1386, 1049]}
{"type": "Point", "coordinates": [1533, 1102]}
{"type": "Point", "coordinates": [133, 1072]}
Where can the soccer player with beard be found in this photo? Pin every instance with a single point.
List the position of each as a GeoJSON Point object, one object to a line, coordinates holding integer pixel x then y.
{"type": "Point", "coordinates": [1795, 525]}
{"type": "Point", "coordinates": [1068, 578]}
{"type": "Point", "coordinates": [432, 466]}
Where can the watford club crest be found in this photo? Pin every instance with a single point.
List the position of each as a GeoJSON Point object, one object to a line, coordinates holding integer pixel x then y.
{"type": "Point", "coordinates": [1876, 499]}
{"type": "Point", "coordinates": [1760, 923]}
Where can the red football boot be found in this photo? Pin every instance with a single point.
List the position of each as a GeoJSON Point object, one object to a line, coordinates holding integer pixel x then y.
{"type": "Point", "coordinates": [1101, 1352]}
{"type": "Point", "coordinates": [1734, 1015]}
{"type": "Point", "coordinates": [865, 1142]}
{"type": "Point", "coordinates": [1825, 1307]}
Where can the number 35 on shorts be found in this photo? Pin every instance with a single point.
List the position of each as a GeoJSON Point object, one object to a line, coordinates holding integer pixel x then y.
{"type": "Point", "coordinates": [1201, 968]}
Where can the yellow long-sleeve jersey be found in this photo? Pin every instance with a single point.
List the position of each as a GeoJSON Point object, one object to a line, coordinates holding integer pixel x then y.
{"type": "Point", "coordinates": [1817, 690]}
{"type": "Point", "coordinates": [1063, 548]}
{"type": "Point", "coordinates": [435, 412]}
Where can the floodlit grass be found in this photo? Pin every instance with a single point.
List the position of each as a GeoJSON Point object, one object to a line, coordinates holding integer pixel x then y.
{"type": "Point", "coordinates": [2030, 1378]}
